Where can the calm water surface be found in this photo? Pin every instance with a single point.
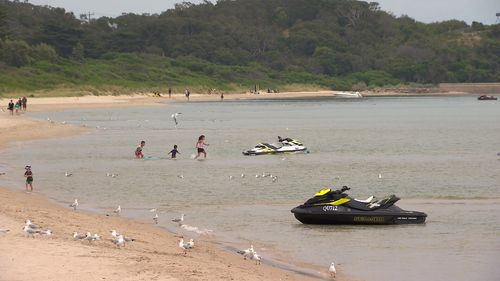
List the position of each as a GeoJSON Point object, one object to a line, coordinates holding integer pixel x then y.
{"type": "Point", "coordinates": [438, 154]}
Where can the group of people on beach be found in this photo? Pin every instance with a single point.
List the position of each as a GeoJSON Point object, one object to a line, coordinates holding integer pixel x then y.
{"type": "Point", "coordinates": [200, 148]}
{"type": "Point", "coordinates": [19, 105]}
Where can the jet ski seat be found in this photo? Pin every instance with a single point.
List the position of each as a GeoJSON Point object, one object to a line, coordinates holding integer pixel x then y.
{"type": "Point", "coordinates": [367, 200]}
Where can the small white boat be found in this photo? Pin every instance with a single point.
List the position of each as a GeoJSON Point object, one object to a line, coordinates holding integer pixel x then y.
{"type": "Point", "coordinates": [348, 95]}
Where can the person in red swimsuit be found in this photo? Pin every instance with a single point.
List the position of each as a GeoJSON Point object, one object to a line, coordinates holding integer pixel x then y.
{"type": "Point", "coordinates": [138, 151]}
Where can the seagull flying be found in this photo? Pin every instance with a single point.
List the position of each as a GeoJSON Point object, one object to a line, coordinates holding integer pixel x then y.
{"type": "Point", "coordinates": [74, 204]}
{"type": "Point", "coordinates": [332, 270]}
{"type": "Point", "coordinates": [174, 117]}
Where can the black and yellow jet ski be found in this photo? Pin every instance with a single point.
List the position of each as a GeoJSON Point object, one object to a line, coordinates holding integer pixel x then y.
{"type": "Point", "coordinates": [284, 145]}
{"type": "Point", "coordinates": [336, 207]}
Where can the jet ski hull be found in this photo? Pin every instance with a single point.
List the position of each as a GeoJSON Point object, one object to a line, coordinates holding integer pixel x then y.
{"type": "Point", "coordinates": [328, 214]}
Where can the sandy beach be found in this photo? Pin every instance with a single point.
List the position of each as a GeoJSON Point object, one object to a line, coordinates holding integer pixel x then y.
{"type": "Point", "coordinates": [154, 256]}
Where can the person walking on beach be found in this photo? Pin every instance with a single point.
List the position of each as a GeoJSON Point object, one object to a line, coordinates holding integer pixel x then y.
{"type": "Point", "coordinates": [10, 107]}
{"type": "Point", "coordinates": [174, 152]}
{"type": "Point", "coordinates": [24, 102]}
{"type": "Point", "coordinates": [169, 92]}
{"type": "Point", "coordinates": [187, 93]}
{"type": "Point", "coordinates": [29, 178]}
{"type": "Point", "coordinates": [17, 106]}
{"type": "Point", "coordinates": [138, 151]}
{"type": "Point", "coordinates": [221, 96]}
{"type": "Point", "coordinates": [200, 147]}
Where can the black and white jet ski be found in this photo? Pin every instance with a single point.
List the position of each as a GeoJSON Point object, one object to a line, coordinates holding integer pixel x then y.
{"type": "Point", "coordinates": [336, 207]}
{"type": "Point", "coordinates": [284, 145]}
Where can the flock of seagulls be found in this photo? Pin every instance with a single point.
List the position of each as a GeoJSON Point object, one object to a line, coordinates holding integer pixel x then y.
{"type": "Point", "coordinates": [250, 254]}
{"type": "Point", "coordinates": [31, 229]}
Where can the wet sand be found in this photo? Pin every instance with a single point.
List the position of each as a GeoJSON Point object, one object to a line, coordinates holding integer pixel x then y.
{"type": "Point", "coordinates": [154, 256]}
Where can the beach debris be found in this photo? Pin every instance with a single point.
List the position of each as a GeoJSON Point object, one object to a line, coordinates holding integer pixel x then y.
{"type": "Point", "coordinates": [30, 231]}
{"type": "Point", "coordinates": [1, 174]}
{"type": "Point", "coordinates": [179, 220]}
{"type": "Point", "coordinates": [256, 257]}
{"type": "Point", "coordinates": [29, 224]}
{"type": "Point", "coordinates": [174, 117]}
{"type": "Point", "coordinates": [332, 270]}
{"type": "Point", "coordinates": [247, 253]}
{"type": "Point", "coordinates": [155, 218]}
{"type": "Point", "coordinates": [4, 231]}
{"type": "Point", "coordinates": [118, 210]}
{"type": "Point", "coordinates": [67, 174]}
{"type": "Point", "coordinates": [184, 246]}
{"type": "Point", "coordinates": [74, 204]}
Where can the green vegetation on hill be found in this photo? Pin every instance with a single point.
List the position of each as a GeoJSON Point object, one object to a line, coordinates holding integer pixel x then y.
{"type": "Point", "coordinates": [232, 45]}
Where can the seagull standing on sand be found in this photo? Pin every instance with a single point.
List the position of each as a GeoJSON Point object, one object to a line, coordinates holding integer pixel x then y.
{"type": "Point", "coordinates": [153, 210]}
{"type": "Point", "coordinates": [31, 225]}
{"type": "Point", "coordinates": [77, 236]}
{"type": "Point", "coordinates": [242, 175]}
{"type": "Point", "coordinates": [256, 257]}
{"type": "Point", "coordinates": [332, 270]}
{"type": "Point", "coordinates": [191, 243]}
{"type": "Point", "coordinates": [74, 204]}
{"type": "Point", "coordinates": [67, 174]}
{"type": "Point", "coordinates": [174, 117]}
{"type": "Point", "coordinates": [47, 232]}
{"type": "Point", "coordinates": [118, 210]}
{"type": "Point", "coordinates": [184, 246]}
{"type": "Point", "coordinates": [30, 231]}
{"type": "Point", "coordinates": [248, 253]}
{"type": "Point", "coordinates": [155, 218]}
{"type": "Point", "coordinates": [379, 176]}
{"type": "Point", "coordinates": [119, 241]}
{"type": "Point", "coordinates": [179, 220]}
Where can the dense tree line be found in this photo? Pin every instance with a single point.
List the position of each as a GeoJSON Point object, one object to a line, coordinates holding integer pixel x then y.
{"type": "Point", "coordinates": [327, 38]}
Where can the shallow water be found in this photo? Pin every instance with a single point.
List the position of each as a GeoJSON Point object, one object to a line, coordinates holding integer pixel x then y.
{"type": "Point", "coordinates": [439, 154]}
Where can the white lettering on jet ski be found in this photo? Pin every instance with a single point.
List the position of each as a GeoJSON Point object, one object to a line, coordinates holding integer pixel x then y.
{"type": "Point", "coordinates": [330, 208]}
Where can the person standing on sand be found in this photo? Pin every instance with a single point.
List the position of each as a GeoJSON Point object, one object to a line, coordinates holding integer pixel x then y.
{"type": "Point", "coordinates": [25, 102]}
{"type": "Point", "coordinates": [17, 106]}
{"type": "Point", "coordinates": [169, 92]}
{"type": "Point", "coordinates": [138, 151]}
{"type": "Point", "coordinates": [200, 147]}
{"type": "Point", "coordinates": [221, 96]}
{"type": "Point", "coordinates": [10, 107]}
{"type": "Point", "coordinates": [186, 93]}
{"type": "Point", "coordinates": [29, 178]}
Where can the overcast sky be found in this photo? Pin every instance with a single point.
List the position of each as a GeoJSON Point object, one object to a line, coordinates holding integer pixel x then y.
{"type": "Point", "coordinates": [422, 10]}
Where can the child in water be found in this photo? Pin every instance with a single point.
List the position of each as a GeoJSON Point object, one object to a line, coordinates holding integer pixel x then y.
{"type": "Point", "coordinates": [29, 178]}
{"type": "Point", "coordinates": [138, 151]}
{"type": "Point", "coordinates": [174, 152]}
{"type": "Point", "coordinates": [200, 146]}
